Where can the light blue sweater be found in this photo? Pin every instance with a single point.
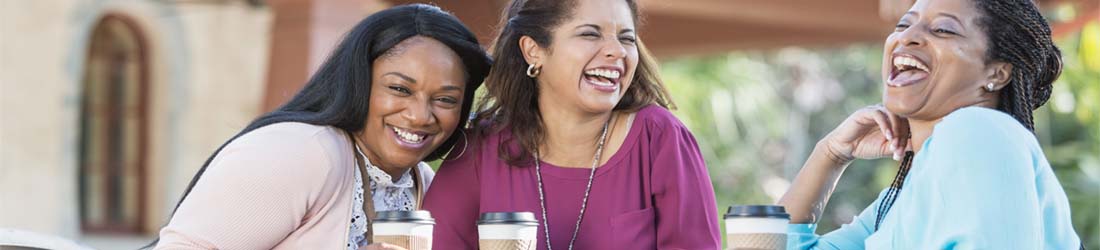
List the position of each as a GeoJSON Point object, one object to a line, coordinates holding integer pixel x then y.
{"type": "Point", "coordinates": [980, 182]}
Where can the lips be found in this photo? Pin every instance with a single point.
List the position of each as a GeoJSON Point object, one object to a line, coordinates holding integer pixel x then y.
{"type": "Point", "coordinates": [409, 137]}
{"type": "Point", "coordinates": [907, 70]}
{"type": "Point", "coordinates": [603, 78]}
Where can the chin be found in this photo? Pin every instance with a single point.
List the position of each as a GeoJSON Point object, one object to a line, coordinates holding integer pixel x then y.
{"type": "Point", "coordinates": [902, 107]}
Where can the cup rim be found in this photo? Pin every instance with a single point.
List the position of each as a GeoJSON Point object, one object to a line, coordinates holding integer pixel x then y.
{"type": "Point", "coordinates": [756, 211]}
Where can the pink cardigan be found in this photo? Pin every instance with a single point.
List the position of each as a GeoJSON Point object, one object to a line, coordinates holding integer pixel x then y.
{"type": "Point", "coordinates": [282, 186]}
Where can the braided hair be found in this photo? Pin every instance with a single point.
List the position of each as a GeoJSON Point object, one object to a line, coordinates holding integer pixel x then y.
{"type": "Point", "coordinates": [1019, 35]}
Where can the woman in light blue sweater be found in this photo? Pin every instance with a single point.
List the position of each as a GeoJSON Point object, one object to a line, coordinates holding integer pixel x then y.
{"type": "Point", "coordinates": [962, 79]}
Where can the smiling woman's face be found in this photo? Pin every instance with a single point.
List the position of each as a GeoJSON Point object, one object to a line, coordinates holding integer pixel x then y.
{"type": "Point", "coordinates": [935, 61]}
{"type": "Point", "coordinates": [415, 102]}
{"type": "Point", "coordinates": [592, 57]}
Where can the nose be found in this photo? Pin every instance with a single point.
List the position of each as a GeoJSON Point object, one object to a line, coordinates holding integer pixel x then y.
{"type": "Point", "coordinates": [613, 49]}
{"type": "Point", "coordinates": [419, 112]}
{"type": "Point", "coordinates": [913, 36]}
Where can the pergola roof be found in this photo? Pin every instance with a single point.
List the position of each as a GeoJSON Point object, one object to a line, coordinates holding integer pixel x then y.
{"type": "Point", "coordinates": [677, 27]}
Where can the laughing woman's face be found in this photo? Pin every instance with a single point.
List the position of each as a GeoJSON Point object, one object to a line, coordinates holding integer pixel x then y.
{"type": "Point", "coordinates": [415, 102]}
{"type": "Point", "coordinates": [592, 57]}
{"type": "Point", "coordinates": [935, 61]}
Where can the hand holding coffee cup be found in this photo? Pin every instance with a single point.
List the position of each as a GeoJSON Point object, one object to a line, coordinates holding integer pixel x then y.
{"type": "Point", "coordinates": [507, 231]}
{"type": "Point", "coordinates": [410, 230]}
{"type": "Point", "coordinates": [757, 227]}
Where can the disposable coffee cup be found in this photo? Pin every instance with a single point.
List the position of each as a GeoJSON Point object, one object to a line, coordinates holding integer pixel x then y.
{"type": "Point", "coordinates": [411, 230]}
{"type": "Point", "coordinates": [507, 231]}
{"type": "Point", "coordinates": [757, 227]}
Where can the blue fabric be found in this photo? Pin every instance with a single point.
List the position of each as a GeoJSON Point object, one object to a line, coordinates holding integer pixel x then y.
{"type": "Point", "coordinates": [981, 181]}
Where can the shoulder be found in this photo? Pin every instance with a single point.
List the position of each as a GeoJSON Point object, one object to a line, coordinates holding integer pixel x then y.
{"type": "Point", "coordinates": [296, 150]}
{"type": "Point", "coordinates": [982, 140]}
{"type": "Point", "coordinates": [656, 118]}
{"type": "Point", "coordinates": [988, 128]}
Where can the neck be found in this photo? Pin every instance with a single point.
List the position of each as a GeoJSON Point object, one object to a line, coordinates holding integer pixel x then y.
{"type": "Point", "coordinates": [919, 131]}
{"type": "Point", "coordinates": [570, 135]}
{"type": "Point", "coordinates": [394, 172]}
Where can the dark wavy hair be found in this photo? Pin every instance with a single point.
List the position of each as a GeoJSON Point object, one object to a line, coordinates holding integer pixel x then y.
{"type": "Point", "coordinates": [1019, 35]}
{"type": "Point", "coordinates": [511, 98]}
{"type": "Point", "coordinates": [338, 94]}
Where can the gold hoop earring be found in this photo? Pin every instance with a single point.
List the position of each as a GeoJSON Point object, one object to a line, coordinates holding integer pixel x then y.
{"type": "Point", "coordinates": [464, 144]}
{"type": "Point", "coordinates": [533, 71]}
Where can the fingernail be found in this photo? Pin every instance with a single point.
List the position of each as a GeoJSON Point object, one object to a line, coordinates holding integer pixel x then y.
{"type": "Point", "coordinates": [893, 147]}
{"type": "Point", "coordinates": [897, 157]}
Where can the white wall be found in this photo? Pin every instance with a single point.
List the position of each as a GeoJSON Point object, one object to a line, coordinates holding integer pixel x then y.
{"type": "Point", "coordinates": [208, 66]}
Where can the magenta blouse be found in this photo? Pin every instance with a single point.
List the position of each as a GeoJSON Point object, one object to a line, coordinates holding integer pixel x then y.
{"type": "Point", "coordinates": [654, 193]}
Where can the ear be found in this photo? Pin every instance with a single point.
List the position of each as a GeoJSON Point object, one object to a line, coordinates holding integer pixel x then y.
{"type": "Point", "coordinates": [532, 52]}
{"type": "Point", "coordinates": [999, 73]}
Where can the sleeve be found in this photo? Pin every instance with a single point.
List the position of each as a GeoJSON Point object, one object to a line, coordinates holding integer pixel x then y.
{"type": "Point", "coordinates": [252, 195]}
{"type": "Point", "coordinates": [454, 202]}
{"type": "Point", "coordinates": [687, 216]}
{"type": "Point", "coordinates": [985, 181]}
{"type": "Point", "coordinates": [848, 236]}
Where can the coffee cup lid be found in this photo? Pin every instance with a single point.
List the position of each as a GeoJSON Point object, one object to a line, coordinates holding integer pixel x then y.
{"type": "Point", "coordinates": [757, 211]}
{"type": "Point", "coordinates": [515, 218]}
{"type": "Point", "coordinates": [418, 216]}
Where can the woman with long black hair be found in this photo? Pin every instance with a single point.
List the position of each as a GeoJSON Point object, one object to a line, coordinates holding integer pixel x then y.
{"type": "Point", "coordinates": [352, 141]}
{"type": "Point", "coordinates": [961, 81]}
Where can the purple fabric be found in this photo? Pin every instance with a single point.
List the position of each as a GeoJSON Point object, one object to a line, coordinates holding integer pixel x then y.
{"type": "Point", "coordinates": [654, 193]}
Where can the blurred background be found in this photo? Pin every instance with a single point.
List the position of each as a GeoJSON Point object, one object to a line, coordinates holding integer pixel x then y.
{"type": "Point", "coordinates": [109, 107]}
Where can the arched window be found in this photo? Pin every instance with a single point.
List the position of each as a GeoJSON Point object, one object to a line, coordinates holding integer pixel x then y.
{"type": "Point", "coordinates": [113, 129]}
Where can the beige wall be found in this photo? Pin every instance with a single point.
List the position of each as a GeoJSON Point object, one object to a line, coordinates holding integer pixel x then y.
{"type": "Point", "coordinates": [208, 62]}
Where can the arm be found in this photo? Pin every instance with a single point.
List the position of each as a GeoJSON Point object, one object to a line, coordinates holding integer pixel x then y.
{"type": "Point", "coordinates": [867, 134]}
{"type": "Point", "coordinates": [252, 195]}
{"type": "Point", "coordinates": [848, 236]}
{"type": "Point", "coordinates": [686, 211]}
{"type": "Point", "coordinates": [454, 201]}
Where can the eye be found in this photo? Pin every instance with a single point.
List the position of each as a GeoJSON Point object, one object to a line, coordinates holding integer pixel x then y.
{"type": "Point", "coordinates": [591, 34]}
{"type": "Point", "coordinates": [945, 31]}
{"type": "Point", "coordinates": [628, 39]}
{"type": "Point", "coordinates": [447, 101]}
{"type": "Point", "coordinates": [901, 26]}
{"type": "Point", "coordinates": [450, 100]}
{"type": "Point", "coordinates": [400, 89]}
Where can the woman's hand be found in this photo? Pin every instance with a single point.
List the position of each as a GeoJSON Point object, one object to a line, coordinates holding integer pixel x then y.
{"type": "Point", "coordinates": [869, 133]}
{"type": "Point", "coordinates": [381, 246]}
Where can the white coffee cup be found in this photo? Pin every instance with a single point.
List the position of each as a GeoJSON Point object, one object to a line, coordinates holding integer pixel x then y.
{"type": "Point", "coordinates": [411, 230]}
{"type": "Point", "coordinates": [507, 231]}
{"type": "Point", "coordinates": [757, 227]}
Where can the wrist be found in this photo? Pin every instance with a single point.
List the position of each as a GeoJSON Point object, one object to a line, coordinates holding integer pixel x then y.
{"type": "Point", "coordinates": [826, 149]}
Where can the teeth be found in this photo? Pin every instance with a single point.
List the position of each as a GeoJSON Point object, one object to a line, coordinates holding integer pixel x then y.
{"type": "Point", "coordinates": [609, 74]}
{"type": "Point", "coordinates": [901, 61]}
{"type": "Point", "coordinates": [408, 136]}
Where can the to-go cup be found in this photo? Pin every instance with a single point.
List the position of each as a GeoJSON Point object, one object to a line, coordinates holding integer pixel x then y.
{"type": "Point", "coordinates": [507, 231]}
{"type": "Point", "coordinates": [757, 227]}
{"type": "Point", "coordinates": [411, 230]}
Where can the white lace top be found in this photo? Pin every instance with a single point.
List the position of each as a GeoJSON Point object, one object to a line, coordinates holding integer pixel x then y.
{"type": "Point", "coordinates": [388, 196]}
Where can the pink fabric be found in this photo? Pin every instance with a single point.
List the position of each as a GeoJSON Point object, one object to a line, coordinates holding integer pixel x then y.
{"type": "Point", "coordinates": [283, 186]}
{"type": "Point", "coordinates": [654, 193]}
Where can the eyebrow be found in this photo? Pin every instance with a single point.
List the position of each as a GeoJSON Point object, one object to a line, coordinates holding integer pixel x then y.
{"type": "Point", "coordinates": [452, 88]}
{"type": "Point", "coordinates": [940, 14]}
{"type": "Point", "coordinates": [402, 76]}
{"type": "Point", "coordinates": [597, 27]}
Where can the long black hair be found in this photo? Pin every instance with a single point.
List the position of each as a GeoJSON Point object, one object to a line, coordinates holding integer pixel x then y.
{"type": "Point", "coordinates": [1019, 35]}
{"type": "Point", "coordinates": [338, 94]}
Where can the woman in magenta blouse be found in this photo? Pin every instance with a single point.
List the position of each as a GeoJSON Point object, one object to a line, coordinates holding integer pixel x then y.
{"type": "Point", "coordinates": [574, 128]}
